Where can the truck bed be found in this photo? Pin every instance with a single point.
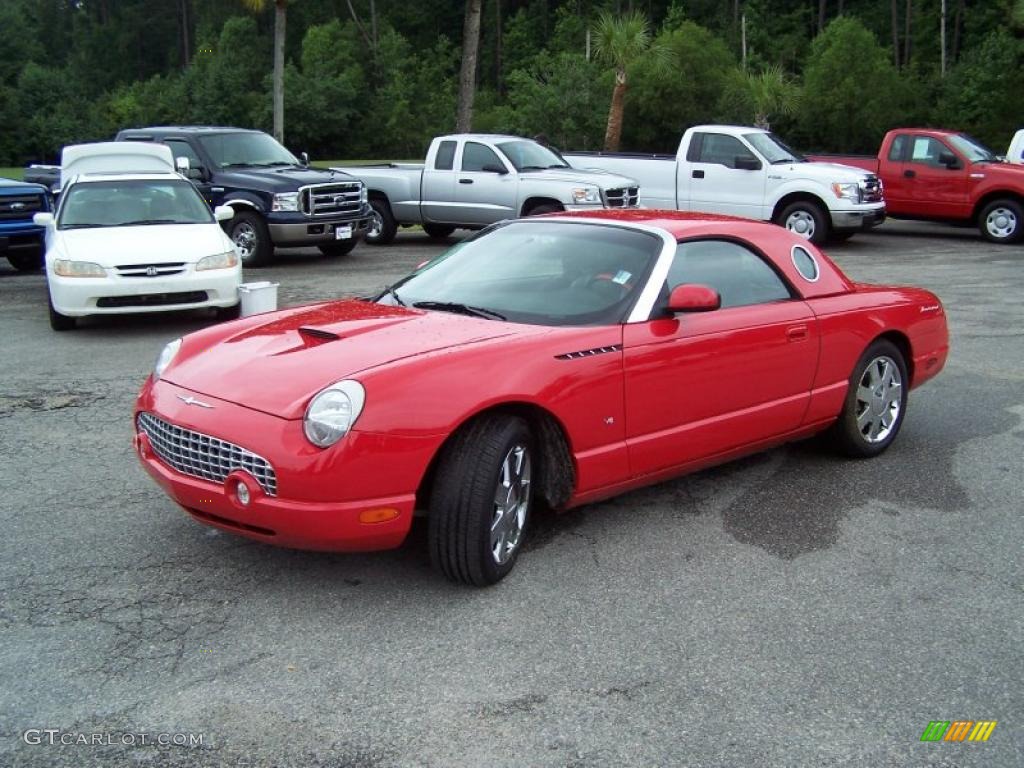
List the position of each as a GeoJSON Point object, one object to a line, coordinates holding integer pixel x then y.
{"type": "Point", "coordinates": [656, 173]}
{"type": "Point", "coordinates": [866, 162]}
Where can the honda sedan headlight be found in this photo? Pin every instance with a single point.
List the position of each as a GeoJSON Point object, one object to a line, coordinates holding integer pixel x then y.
{"type": "Point", "coordinates": [224, 260]}
{"type": "Point", "coordinates": [286, 201]}
{"type": "Point", "coordinates": [331, 414]}
{"type": "Point", "coordinates": [847, 190]}
{"type": "Point", "coordinates": [66, 268]}
{"type": "Point", "coordinates": [164, 358]}
{"type": "Point", "coordinates": [586, 195]}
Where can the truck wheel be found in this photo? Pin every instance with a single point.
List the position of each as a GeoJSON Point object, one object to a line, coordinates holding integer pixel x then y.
{"type": "Point", "coordinates": [438, 231]}
{"type": "Point", "coordinates": [59, 322]}
{"type": "Point", "coordinates": [806, 219]}
{"type": "Point", "coordinates": [480, 504]}
{"type": "Point", "coordinates": [1002, 221]}
{"type": "Point", "coordinates": [252, 239]}
{"type": "Point", "coordinates": [383, 226]}
{"type": "Point", "coordinates": [537, 210]}
{"type": "Point", "coordinates": [26, 262]}
{"type": "Point", "coordinates": [338, 247]}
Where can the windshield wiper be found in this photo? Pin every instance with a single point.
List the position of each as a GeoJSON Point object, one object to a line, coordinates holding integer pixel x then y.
{"type": "Point", "coordinates": [532, 168]}
{"type": "Point", "coordinates": [462, 309]}
{"type": "Point", "coordinates": [563, 165]}
{"type": "Point", "coordinates": [140, 222]}
{"type": "Point", "coordinates": [85, 226]}
{"type": "Point", "coordinates": [390, 291]}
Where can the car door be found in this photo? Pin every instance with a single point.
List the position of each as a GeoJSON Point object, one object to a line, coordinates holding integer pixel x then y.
{"type": "Point", "coordinates": [937, 189]}
{"type": "Point", "coordinates": [437, 186]}
{"type": "Point", "coordinates": [702, 384]}
{"type": "Point", "coordinates": [722, 175]}
{"type": "Point", "coordinates": [484, 196]}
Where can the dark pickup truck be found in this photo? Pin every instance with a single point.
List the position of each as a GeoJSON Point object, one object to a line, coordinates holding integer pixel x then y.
{"type": "Point", "coordinates": [21, 241]}
{"type": "Point", "coordinates": [278, 199]}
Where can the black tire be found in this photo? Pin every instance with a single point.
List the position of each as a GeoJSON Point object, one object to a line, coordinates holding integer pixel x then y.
{"type": "Point", "coordinates": [848, 433]}
{"type": "Point", "coordinates": [338, 247]}
{"type": "Point", "coordinates": [383, 227]}
{"type": "Point", "coordinates": [438, 231]}
{"type": "Point", "coordinates": [805, 214]}
{"type": "Point", "coordinates": [537, 210]}
{"type": "Point", "coordinates": [252, 239]}
{"type": "Point", "coordinates": [229, 313]}
{"type": "Point", "coordinates": [462, 505]}
{"type": "Point", "coordinates": [842, 237]}
{"type": "Point", "coordinates": [59, 322]}
{"type": "Point", "coordinates": [30, 261]}
{"type": "Point", "coordinates": [1002, 221]}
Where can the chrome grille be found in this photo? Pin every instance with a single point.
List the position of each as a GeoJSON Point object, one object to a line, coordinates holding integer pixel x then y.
{"type": "Point", "coordinates": [203, 456]}
{"type": "Point", "coordinates": [331, 199]}
{"type": "Point", "coordinates": [20, 206]}
{"type": "Point", "coordinates": [623, 197]}
{"type": "Point", "coordinates": [871, 189]}
{"type": "Point", "coordinates": [150, 270]}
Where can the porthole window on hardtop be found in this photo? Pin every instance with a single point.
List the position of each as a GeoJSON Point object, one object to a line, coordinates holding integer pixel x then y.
{"type": "Point", "coordinates": [805, 264]}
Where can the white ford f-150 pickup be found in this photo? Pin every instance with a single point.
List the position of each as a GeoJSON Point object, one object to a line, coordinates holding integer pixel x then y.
{"type": "Point", "coordinates": [749, 172]}
{"type": "Point", "coordinates": [471, 180]}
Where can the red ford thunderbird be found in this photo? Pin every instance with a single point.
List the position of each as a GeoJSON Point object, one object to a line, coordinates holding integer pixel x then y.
{"type": "Point", "coordinates": [545, 362]}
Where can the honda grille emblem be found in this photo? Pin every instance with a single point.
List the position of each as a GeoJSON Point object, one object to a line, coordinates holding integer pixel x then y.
{"type": "Point", "coordinates": [192, 401]}
{"type": "Point", "coordinates": [151, 272]}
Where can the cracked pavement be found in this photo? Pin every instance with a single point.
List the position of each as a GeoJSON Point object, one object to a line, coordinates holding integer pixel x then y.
{"type": "Point", "coordinates": [790, 608]}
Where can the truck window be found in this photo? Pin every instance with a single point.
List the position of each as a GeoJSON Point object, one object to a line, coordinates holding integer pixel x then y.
{"type": "Point", "coordinates": [181, 148]}
{"type": "Point", "coordinates": [476, 156]}
{"type": "Point", "coordinates": [722, 150]}
{"type": "Point", "coordinates": [898, 150]}
{"type": "Point", "coordinates": [445, 159]}
{"type": "Point", "coordinates": [740, 276]}
{"type": "Point", "coordinates": [926, 150]}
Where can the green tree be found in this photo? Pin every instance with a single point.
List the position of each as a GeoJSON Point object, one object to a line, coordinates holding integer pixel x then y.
{"type": "Point", "coordinates": [772, 93]}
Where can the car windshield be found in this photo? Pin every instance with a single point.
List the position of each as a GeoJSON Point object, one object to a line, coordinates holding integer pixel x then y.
{"type": "Point", "coordinates": [773, 148]}
{"type": "Point", "coordinates": [528, 155]}
{"type": "Point", "coordinates": [972, 149]}
{"type": "Point", "coordinates": [137, 202]}
{"type": "Point", "coordinates": [537, 272]}
{"type": "Point", "coordinates": [229, 150]}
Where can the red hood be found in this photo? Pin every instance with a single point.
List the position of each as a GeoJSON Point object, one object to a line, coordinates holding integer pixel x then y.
{"type": "Point", "coordinates": [269, 364]}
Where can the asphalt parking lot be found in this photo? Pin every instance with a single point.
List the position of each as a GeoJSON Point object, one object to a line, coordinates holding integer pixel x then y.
{"type": "Point", "coordinates": [790, 609]}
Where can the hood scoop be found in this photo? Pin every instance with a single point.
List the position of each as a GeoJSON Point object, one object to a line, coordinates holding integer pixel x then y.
{"type": "Point", "coordinates": [313, 337]}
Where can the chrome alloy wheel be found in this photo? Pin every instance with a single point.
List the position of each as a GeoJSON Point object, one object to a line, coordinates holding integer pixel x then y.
{"type": "Point", "coordinates": [245, 239]}
{"type": "Point", "coordinates": [375, 225]}
{"type": "Point", "coordinates": [1001, 223]}
{"type": "Point", "coordinates": [511, 503]}
{"type": "Point", "coordinates": [801, 223]}
{"type": "Point", "coordinates": [879, 399]}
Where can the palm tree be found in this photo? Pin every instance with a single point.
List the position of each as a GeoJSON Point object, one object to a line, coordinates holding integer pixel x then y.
{"type": "Point", "coordinates": [619, 41]}
{"type": "Point", "coordinates": [467, 73]}
{"type": "Point", "coordinates": [773, 94]}
{"type": "Point", "coordinates": [280, 16]}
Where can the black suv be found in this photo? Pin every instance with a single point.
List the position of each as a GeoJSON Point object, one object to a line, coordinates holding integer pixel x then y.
{"type": "Point", "coordinates": [278, 199]}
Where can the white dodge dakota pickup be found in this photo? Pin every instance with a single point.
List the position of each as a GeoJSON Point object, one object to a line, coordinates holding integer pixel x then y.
{"type": "Point", "coordinates": [471, 180]}
{"type": "Point", "coordinates": [749, 172]}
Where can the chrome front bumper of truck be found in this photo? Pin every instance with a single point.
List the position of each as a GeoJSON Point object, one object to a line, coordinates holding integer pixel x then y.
{"type": "Point", "coordinates": [313, 232]}
{"type": "Point", "coordinates": [857, 220]}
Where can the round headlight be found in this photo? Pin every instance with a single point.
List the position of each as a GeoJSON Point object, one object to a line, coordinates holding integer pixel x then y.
{"type": "Point", "coordinates": [333, 412]}
{"type": "Point", "coordinates": [166, 355]}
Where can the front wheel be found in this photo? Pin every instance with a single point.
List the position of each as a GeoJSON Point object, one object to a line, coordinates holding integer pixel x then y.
{"type": "Point", "coordinates": [338, 247]}
{"type": "Point", "coordinates": [59, 322]}
{"type": "Point", "coordinates": [26, 262]}
{"type": "Point", "coordinates": [382, 227]}
{"type": "Point", "coordinates": [1002, 221]}
{"type": "Point", "coordinates": [806, 219]}
{"type": "Point", "coordinates": [481, 499]}
{"type": "Point", "coordinates": [875, 402]}
{"type": "Point", "coordinates": [251, 237]}
{"type": "Point", "coordinates": [543, 208]}
{"type": "Point", "coordinates": [229, 313]}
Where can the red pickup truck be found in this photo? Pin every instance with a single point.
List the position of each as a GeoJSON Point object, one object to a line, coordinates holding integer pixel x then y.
{"type": "Point", "coordinates": [946, 176]}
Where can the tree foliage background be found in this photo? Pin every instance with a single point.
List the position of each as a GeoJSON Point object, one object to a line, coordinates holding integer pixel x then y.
{"type": "Point", "coordinates": [378, 78]}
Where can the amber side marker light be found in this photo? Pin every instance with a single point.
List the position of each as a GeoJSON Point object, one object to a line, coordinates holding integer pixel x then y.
{"type": "Point", "coordinates": [380, 515]}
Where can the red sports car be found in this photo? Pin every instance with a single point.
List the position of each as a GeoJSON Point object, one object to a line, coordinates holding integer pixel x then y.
{"type": "Point", "coordinates": [548, 361]}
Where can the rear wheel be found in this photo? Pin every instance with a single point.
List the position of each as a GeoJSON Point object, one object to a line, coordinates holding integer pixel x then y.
{"type": "Point", "coordinates": [338, 247]}
{"type": "Point", "coordinates": [875, 402]}
{"type": "Point", "coordinates": [807, 219]}
{"type": "Point", "coordinates": [382, 227]}
{"type": "Point", "coordinates": [252, 239]}
{"type": "Point", "coordinates": [30, 261]}
{"type": "Point", "coordinates": [481, 500]}
{"type": "Point", "coordinates": [59, 322]}
{"type": "Point", "coordinates": [1002, 221]}
{"type": "Point", "coordinates": [438, 231]}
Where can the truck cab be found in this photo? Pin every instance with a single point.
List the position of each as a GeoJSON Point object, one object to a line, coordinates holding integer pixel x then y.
{"type": "Point", "coordinates": [278, 199]}
{"type": "Point", "coordinates": [21, 241]}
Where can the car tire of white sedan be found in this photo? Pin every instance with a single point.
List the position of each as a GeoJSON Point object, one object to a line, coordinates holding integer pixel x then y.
{"type": "Point", "coordinates": [229, 313]}
{"type": "Point", "coordinates": [875, 404]}
{"type": "Point", "coordinates": [59, 322]}
{"type": "Point", "coordinates": [382, 227]}
{"type": "Point", "coordinates": [251, 237]}
{"type": "Point", "coordinates": [1002, 221]}
{"type": "Point", "coordinates": [480, 501]}
{"type": "Point", "coordinates": [806, 219]}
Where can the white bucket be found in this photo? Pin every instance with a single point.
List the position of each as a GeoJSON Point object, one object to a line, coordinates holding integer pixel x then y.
{"type": "Point", "coordinates": [258, 297]}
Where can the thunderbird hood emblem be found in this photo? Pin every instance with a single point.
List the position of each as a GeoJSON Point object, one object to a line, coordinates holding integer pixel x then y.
{"type": "Point", "coordinates": [192, 401]}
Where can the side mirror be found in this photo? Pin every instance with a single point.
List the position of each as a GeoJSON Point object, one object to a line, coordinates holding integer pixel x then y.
{"type": "Point", "coordinates": [42, 219]}
{"type": "Point", "coordinates": [304, 157]}
{"type": "Point", "coordinates": [746, 163]}
{"type": "Point", "coordinates": [693, 297]}
{"type": "Point", "coordinates": [182, 164]}
{"type": "Point", "coordinates": [949, 160]}
{"type": "Point", "coordinates": [492, 168]}
{"type": "Point", "coordinates": [223, 212]}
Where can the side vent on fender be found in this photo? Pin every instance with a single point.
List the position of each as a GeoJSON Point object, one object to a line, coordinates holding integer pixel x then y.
{"type": "Point", "coordinates": [589, 352]}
